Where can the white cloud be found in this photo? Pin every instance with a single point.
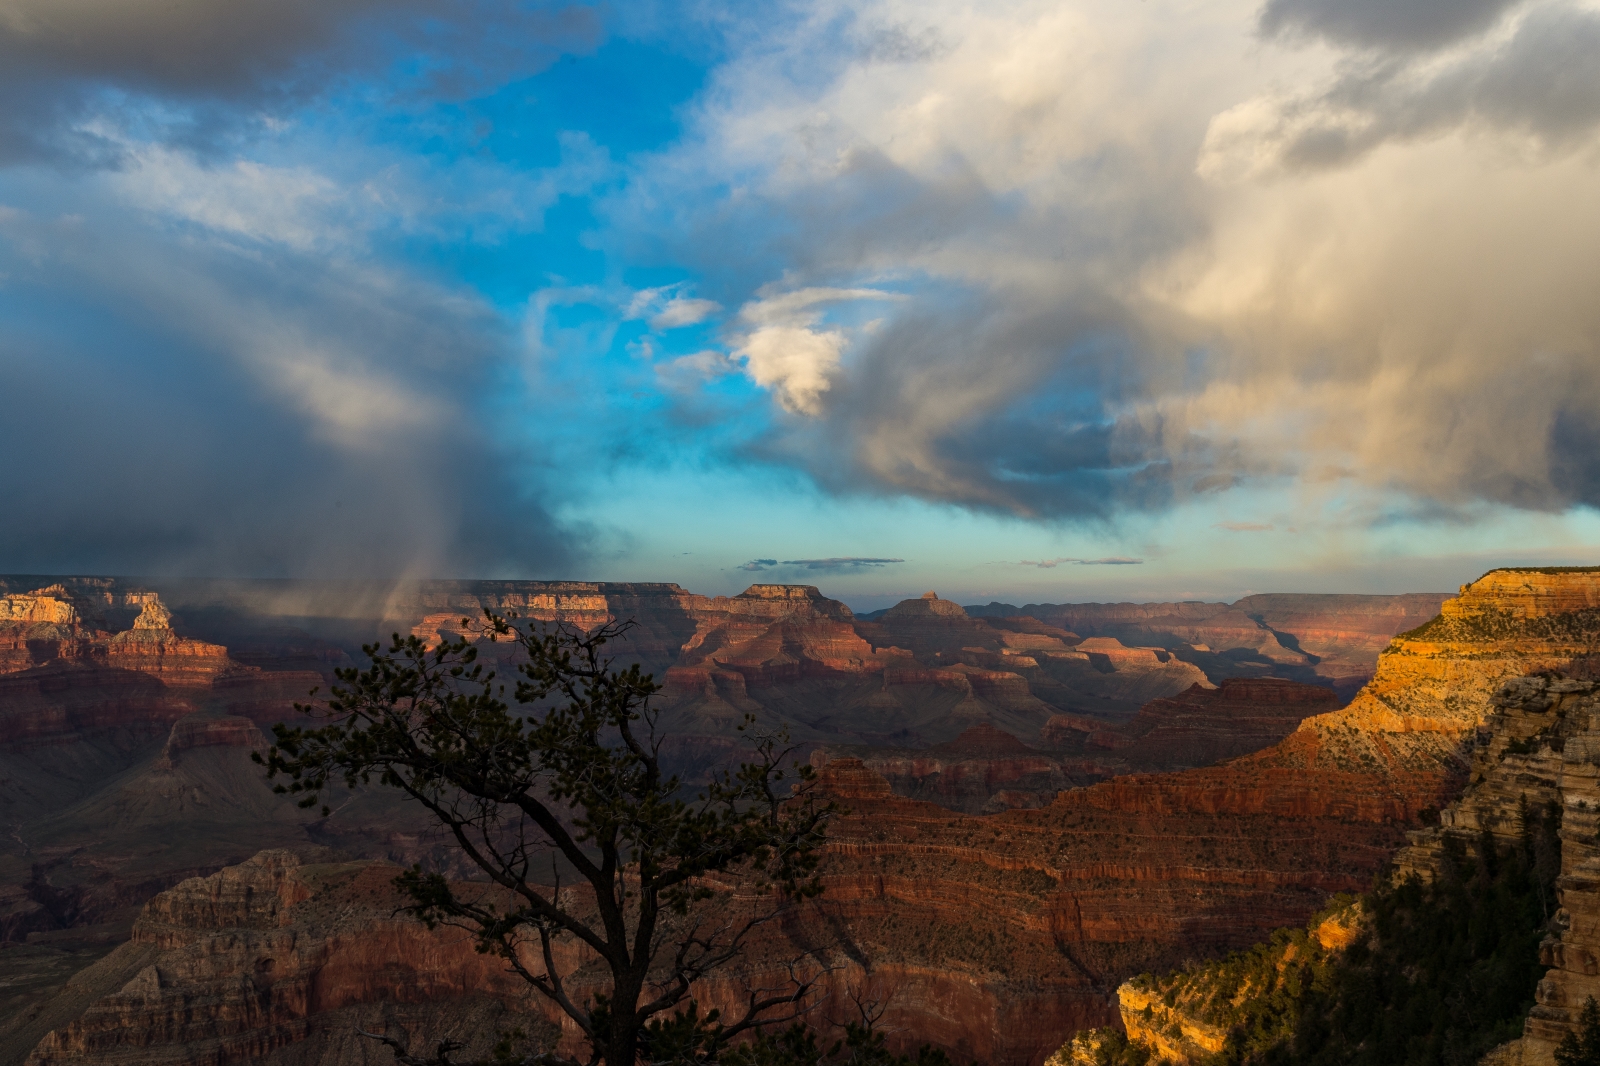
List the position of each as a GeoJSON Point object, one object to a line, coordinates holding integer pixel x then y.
{"type": "Point", "coordinates": [788, 350]}
{"type": "Point", "coordinates": [669, 307]}
{"type": "Point", "coordinates": [293, 206]}
{"type": "Point", "coordinates": [680, 311]}
{"type": "Point", "coordinates": [1147, 252]}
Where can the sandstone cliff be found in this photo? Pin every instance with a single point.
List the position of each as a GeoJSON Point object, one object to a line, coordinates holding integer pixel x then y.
{"type": "Point", "coordinates": [1452, 699]}
{"type": "Point", "coordinates": [983, 770]}
{"type": "Point", "coordinates": [1328, 638]}
{"type": "Point", "coordinates": [124, 767]}
{"type": "Point", "coordinates": [1002, 934]}
{"type": "Point", "coordinates": [986, 769]}
{"type": "Point", "coordinates": [276, 962]}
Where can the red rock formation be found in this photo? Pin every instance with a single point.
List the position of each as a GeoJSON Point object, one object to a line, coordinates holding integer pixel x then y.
{"type": "Point", "coordinates": [1346, 633]}
{"type": "Point", "coordinates": [275, 962]}
{"type": "Point", "coordinates": [1028, 919]}
{"type": "Point", "coordinates": [1050, 909]}
{"type": "Point", "coordinates": [983, 770]}
{"type": "Point", "coordinates": [1203, 726]}
{"type": "Point", "coordinates": [1333, 637]}
{"type": "Point", "coordinates": [121, 768]}
{"type": "Point", "coordinates": [47, 606]}
{"type": "Point", "coordinates": [1006, 932]}
{"type": "Point", "coordinates": [152, 647]}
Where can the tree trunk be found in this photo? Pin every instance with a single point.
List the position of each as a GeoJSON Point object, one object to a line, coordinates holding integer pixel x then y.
{"type": "Point", "coordinates": [622, 1044]}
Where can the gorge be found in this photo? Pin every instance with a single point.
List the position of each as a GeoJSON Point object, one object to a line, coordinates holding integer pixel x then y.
{"type": "Point", "coordinates": [996, 935]}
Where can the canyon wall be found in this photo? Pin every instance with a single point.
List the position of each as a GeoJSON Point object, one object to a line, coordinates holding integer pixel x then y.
{"type": "Point", "coordinates": [1480, 689]}
{"type": "Point", "coordinates": [993, 936]}
{"type": "Point", "coordinates": [985, 769]}
{"type": "Point", "coordinates": [277, 962]}
{"type": "Point", "coordinates": [1331, 639]}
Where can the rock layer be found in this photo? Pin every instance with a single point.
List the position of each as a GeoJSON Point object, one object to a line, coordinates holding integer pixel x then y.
{"type": "Point", "coordinates": [986, 769]}
{"type": "Point", "coordinates": [276, 962]}
{"type": "Point", "coordinates": [1003, 933]}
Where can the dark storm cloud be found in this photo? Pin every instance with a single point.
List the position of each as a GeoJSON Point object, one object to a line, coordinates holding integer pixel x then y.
{"type": "Point", "coordinates": [187, 47]}
{"type": "Point", "coordinates": [1575, 442]}
{"type": "Point", "coordinates": [171, 405]}
{"type": "Point", "coordinates": [64, 61]}
{"type": "Point", "coordinates": [995, 404]}
{"type": "Point", "coordinates": [1400, 25]}
{"type": "Point", "coordinates": [1541, 83]}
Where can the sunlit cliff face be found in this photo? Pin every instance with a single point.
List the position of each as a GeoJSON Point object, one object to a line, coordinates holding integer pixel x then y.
{"type": "Point", "coordinates": [450, 278]}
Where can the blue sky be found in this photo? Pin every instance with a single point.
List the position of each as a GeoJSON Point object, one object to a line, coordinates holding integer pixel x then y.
{"type": "Point", "coordinates": [1020, 301]}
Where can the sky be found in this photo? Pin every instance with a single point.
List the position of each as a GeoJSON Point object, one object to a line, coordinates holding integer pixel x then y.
{"type": "Point", "coordinates": [1036, 302]}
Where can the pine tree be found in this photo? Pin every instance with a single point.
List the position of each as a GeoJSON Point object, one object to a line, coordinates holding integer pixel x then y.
{"type": "Point", "coordinates": [572, 781]}
{"type": "Point", "coordinates": [1582, 1047]}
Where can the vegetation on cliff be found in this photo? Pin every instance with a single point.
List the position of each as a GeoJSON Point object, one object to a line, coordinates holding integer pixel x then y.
{"type": "Point", "coordinates": [1436, 975]}
{"type": "Point", "coordinates": [1582, 1048]}
{"type": "Point", "coordinates": [1580, 628]}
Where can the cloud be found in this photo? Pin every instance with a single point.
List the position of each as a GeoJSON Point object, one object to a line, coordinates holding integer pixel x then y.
{"type": "Point", "coordinates": [681, 311]}
{"type": "Point", "coordinates": [238, 406]}
{"type": "Point", "coordinates": [787, 350]}
{"type": "Point", "coordinates": [1245, 527]}
{"type": "Point", "coordinates": [846, 562]}
{"type": "Point", "coordinates": [668, 307]}
{"type": "Point", "coordinates": [1048, 564]}
{"type": "Point", "coordinates": [295, 206]}
{"type": "Point", "coordinates": [218, 62]}
{"type": "Point", "coordinates": [1142, 254]}
{"type": "Point", "coordinates": [1111, 560]}
{"type": "Point", "coordinates": [833, 565]}
{"type": "Point", "coordinates": [1535, 84]}
{"type": "Point", "coordinates": [1387, 24]}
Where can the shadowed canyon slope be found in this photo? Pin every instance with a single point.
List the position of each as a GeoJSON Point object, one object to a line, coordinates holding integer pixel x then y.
{"type": "Point", "coordinates": [999, 933]}
{"type": "Point", "coordinates": [985, 769]}
{"type": "Point", "coordinates": [1335, 638]}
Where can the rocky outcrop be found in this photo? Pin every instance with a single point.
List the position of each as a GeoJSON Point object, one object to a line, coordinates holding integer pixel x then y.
{"type": "Point", "coordinates": [1541, 747]}
{"type": "Point", "coordinates": [1005, 932]}
{"type": "Point", "coordinates": [983, 770]}
{"type": "Point", "coordinates": [47, 606]}
{"type": "Point", "coordinates": [153, 647]}
{"type": "Point", "coordinates": [1137, 873]}
{"type": "Point", "coordinates": [986, 769]}
{"type": "Point", "coordinates": [1433, 685]}
{"type": "Point", "coordinates": [45, 628]}
{"type": "Point", "coordinates": [1030, 918]}
{"type": "Point", "coordinates": [1207, 725]}
{"type": "Point", "coordinates": [1517, 775]}
{"type": "Point", "coordinates": [277, 962]}
{"type": "Point", "coordinates": [1328, 638]}
{"type": "Point", "coordinates": [1474, 693]}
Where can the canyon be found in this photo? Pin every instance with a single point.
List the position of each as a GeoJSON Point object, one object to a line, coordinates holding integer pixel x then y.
{"type": "Point", "coordinates": [1131, 867]}
{"type": "Point", "coordinates": [986, 769]}
{"type": "Point", "coordinates": [1531, 748]}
